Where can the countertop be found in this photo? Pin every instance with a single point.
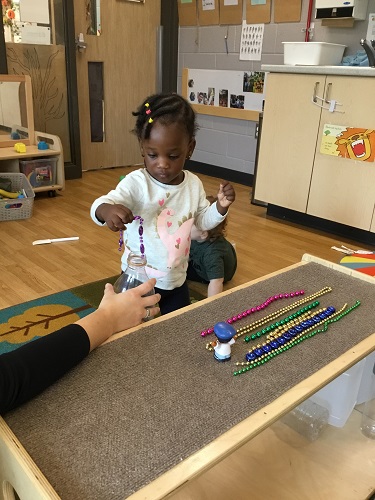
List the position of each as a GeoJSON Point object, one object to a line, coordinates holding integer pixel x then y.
{"type": "Point", "coordinates": [321, 70]}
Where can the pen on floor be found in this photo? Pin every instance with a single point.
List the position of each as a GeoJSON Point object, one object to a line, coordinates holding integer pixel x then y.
{"type": "Point", "coordinates": [55, 240]}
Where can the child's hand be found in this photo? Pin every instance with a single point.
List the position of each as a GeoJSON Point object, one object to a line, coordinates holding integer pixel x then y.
{"type": "Point", "coordinates": [225, 196]}
{"type": "Point", "coordinates": [116, 216]}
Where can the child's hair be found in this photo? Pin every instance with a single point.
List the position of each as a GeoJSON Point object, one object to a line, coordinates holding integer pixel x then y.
{"type": "Point", "coordinates": [220, 230]}
{"type": "Point", "coordinates": [167, 109]}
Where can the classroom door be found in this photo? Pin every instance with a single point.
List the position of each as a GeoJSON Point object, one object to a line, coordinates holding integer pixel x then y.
{"type": "Point", "coordinates": [116, 62]}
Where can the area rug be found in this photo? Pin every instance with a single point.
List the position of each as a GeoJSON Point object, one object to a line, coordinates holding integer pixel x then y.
{"type": "Point", "coordinates": [363, 263]}
{"type": "Point", "coordinates": [34, 319]}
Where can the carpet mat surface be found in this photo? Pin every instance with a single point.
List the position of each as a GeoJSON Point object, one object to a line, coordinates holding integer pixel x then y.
{"type": "Point", "coordinates": [31, 320]}
{"type": "Point", "coordinates": [141, 404]}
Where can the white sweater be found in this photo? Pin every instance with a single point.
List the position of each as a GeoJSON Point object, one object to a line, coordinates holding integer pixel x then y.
{"type": "Point", "coordinates": [169, 213]}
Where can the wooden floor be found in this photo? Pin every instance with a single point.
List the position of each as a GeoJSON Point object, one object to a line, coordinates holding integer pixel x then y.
{"type": "Point", "coordinates": [278, 464]}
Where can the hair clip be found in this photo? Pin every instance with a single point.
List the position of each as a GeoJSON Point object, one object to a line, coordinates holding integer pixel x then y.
{"type": "Point", "coordinates": [147, 105]}
{"type": "Point", "coordinates": [148, 111]}
{"type": "Point", "coordinates": [150, 120]}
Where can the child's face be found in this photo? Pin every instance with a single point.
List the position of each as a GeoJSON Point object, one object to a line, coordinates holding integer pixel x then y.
{"type": "Point", "coordinates": [166, 151]}
{"type": "Point", "coordinates": [197, 234]}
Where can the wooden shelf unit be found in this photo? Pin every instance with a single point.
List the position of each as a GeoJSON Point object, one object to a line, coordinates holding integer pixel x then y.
{"type": "Point", "coordinates": [9, 159]}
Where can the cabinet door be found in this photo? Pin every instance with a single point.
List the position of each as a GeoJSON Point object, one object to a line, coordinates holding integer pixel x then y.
{"type": "Point", "coordinates": [288, 140]}
{"type": "Point", "coordinates": [342, 189]}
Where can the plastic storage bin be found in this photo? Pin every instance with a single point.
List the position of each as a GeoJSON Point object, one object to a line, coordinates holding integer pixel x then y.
{"type": "Point", "coordinates": [41, 172]}
{"type": "Point", "coordinates": [313, 53]}
{"type": "Point", "coordinates": [340, 395]}
{"type": "Point", "coordinates": [18, 208]}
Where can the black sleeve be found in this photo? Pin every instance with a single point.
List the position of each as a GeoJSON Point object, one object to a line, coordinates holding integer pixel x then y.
{"type": "Point", "coordinates": [28, 370]}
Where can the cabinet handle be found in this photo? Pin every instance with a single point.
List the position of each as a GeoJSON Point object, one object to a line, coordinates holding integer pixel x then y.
{"type": "Point", "coordinates": [328, 92]}
{"type": "Point", "coordinates": [316, 86]}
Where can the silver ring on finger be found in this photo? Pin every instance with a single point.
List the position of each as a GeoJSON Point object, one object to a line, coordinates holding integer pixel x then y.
{"type": "Point", "coordinates": [147, 314]}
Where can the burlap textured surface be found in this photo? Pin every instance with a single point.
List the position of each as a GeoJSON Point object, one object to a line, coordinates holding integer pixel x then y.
{"type": "Point", "coordinates": [139, 405]}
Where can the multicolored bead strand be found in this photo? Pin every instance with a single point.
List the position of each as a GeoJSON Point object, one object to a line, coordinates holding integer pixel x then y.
{"type": "Point", "coordinates": [281, 326]}
{"type": "Point", "coordinates": [260, 322]}
{"type": "Point", "coordinates": [140, 232]}
{"type": "Point", "coordinates": [255, 309]}
{"type": "Point", "coordinates": [306, 334]}
{"type": "Point", "coordinates": [283, 323]}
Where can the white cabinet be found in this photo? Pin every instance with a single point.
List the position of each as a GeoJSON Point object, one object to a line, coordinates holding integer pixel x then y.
{"type": "Point", "coordinates": [342, 189]}
{"type": "Point", "coordinates": [291, 171]}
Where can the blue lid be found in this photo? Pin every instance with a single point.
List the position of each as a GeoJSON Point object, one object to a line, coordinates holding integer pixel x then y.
{"type": "Point", "coordinates": [224, 331]}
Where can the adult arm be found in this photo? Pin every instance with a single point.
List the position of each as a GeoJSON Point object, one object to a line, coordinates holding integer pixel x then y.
{"type": "Point", "coordinates": [28, 370]}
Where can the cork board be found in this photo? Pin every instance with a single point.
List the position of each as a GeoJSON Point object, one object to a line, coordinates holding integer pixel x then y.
{"type": "Point", "coordinates": [187, 13]}
{"type": "Point", "coordinates": [231, 14]}
{"type": "Point", "coordinates": [258, 14]}
{"type": "Point", "coordinates": [211, 16]}
{"type": "Point", "coordinates": [287, 11]}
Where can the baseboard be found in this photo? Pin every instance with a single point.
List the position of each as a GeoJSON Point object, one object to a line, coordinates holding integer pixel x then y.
{"type": "Point", "coordinates": [349, 232]}
{"type": "Point", "coordinates": [220, 172]}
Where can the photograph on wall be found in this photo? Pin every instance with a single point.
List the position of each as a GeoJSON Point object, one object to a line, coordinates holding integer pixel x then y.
{"type": "Point", "coordinates": [348, 142]}
{"type": "Point", "coordinates": [223, 98]}
{"type": "Point", "coordinates": [202, 98]}
{"type": "Point", "coordinates": [237, 101]}
{"type": "Point", "coordinates": [211, 96]}
{"type": "Point", "coordinates": [215, 87]}
{"type": "Point", "coordinates": [253, 81]}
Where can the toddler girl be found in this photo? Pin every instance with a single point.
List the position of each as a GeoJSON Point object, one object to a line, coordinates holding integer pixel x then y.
{"type": "Point", "coordinates": [168, 198]}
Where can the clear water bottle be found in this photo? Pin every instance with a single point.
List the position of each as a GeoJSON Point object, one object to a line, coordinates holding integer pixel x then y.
{"type": "Point", "coordinates": [134, 275]}
{"type": "Point", "coordinates": [308, 419]}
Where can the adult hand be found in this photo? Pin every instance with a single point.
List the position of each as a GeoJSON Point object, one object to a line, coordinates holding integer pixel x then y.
{"type": "Point", "coordinates": [119, 311]}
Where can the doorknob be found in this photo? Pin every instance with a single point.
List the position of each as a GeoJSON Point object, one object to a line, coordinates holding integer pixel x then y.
{"type": "Point", "coordinates": [80, 43]}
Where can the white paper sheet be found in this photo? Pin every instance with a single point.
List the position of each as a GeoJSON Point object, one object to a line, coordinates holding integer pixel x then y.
{"type": "Point", "coordinates": [230, 2]}
{"type": "Point", "coordinates": [34, 11]}
{"type": "Point", "coordinates": [39, 35]}
{"type": "Point", "coordinates": [251, 42]}
{"type": "Point", "coordinates": [208, 4]}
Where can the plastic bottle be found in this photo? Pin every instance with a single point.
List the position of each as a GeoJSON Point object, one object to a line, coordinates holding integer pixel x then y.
{"type": "Point", "coordinates": [308, 419]}
{"type": "Point", "coordinates": [134, 275]}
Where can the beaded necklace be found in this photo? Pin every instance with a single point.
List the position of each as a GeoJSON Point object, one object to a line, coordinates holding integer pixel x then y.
{"type": "Point", "coordinates": [297, 339]}
{"type": "Point", "coordinates": [255, 309]}
{"type": "Point", "coordinates": [246, 329]}
{"type": "Point", "coordinates": [280, 327]}
{"type": "Point", "coordinates": [140, 232]}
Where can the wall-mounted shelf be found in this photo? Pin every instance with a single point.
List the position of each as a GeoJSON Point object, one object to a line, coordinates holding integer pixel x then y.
{"type": "Point", "coordinates": [226, 112]}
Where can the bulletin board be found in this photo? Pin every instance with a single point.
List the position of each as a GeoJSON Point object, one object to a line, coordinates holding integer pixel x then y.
{"type": "Point", "coordinates": [187, 13]}
{"type": "Point", "coordinates": [208, 12]}
{"type": "Point", "coordinates": [230, 14]}
{"type": "Point", "coordinates": [231, 94]}
{"type": "Point", "coordinates": [287, 11]}
{"type": "Point", "coordinates": [258, 12]}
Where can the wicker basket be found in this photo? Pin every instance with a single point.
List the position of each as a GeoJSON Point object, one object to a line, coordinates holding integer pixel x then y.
{"type": "Point", "coordinates": [19, 208]}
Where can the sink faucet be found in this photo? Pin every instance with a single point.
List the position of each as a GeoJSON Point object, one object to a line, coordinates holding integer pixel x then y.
{"type": "Point", "coordinates": [370, 51]}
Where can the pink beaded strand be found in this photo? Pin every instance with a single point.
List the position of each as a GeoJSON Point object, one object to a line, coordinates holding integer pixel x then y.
{"type": "Point", "coordinates": [255, 309]}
